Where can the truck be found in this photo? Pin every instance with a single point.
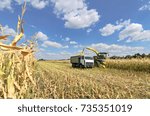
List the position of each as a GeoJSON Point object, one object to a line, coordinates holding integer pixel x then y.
{"type": "Point", "coordinates": [82, 61]}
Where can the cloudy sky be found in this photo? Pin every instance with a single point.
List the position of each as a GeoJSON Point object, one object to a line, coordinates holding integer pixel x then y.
{"type": "Point", "coordinates": [64, 27]}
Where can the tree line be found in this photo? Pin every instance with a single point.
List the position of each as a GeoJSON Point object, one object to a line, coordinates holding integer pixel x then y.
{"type": "Point", "coordinates": [137, 55]}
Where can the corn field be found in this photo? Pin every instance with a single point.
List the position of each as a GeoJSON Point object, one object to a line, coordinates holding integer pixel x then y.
{"type": "Point", "coordinates": [16, 73]}
{"type": "Point", "coordinates": [16, 64]}
{"type": "Point", "coordinates": [25, 78]}
{"type": "Point", "coordinates": [130, 64]}
{"type": "Point", "coordinates": [57, 79]}
{"type": "Point", "coordinates": [21, 76]}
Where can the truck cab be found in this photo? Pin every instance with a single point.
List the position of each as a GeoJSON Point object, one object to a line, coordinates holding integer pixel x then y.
{"type": "Point", "coordinates": [82, 61]}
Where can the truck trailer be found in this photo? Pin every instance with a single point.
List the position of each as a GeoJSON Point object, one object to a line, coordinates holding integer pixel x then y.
{"type": "Point", "coordinates": [82, 61]}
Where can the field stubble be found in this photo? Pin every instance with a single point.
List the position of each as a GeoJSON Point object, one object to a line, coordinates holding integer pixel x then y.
{"type": "Point", "coordinates": [57, 79]}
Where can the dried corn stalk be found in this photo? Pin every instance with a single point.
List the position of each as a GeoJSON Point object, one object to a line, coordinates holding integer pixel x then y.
{"type": "Point", "coordinates": [16, 73]}
{"type": "Point", "coordinates": [16, 65]}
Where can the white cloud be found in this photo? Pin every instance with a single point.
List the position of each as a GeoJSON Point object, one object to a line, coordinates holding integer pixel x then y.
{"type": "Point", "coordinates": [5, 4]}
{"type": "Point", "coordinates": [65, 53]}
{"type": "Point", "coordinates": [38, 4]}
{"type": "Point", "coordinates": [68, 5]}
{"type": "Point", "coordinates": [46, 43]}
{"type": "Point", "coordinates": [33, 26]}
{"type": "Point", "coordinates": [21, 1]}
{"type": "Point", "coordinates": [73, 42]}
{"type": "Point", "coordinates": [67, 39]}
{"type": "Point", "coordinates": [112, 49]}
{"type": "Point", "coordinates": [75, 13]}
{"type": "Point", "coordinates": [79, 46]}
{"type": "Point", "coordinates": [41, 49]}
{"type": "Point", "coordinates": [145, 7]}
{"type": "Point", "coordinates": [52, 44]}
{"type": "Point", "coordinates": [53, 56]}
{"type": "Point", "coordinates": [89, 30]}
{"type": "Point", "coordinates": [109, 29]}
{"type": "Point", "coordinates": [129, 31]}
{"type": "Point", "coordinates": [41, 36]}
{"type": "Point", "coordinates": [81, 18]}
{"type": "Point", "coordinates": [134, 32]}
{"type": "Point", "coordinates": [8, 31]}
{"type": "Point", "coordinates": [115, 49]}
{"type": "Point", "coordinates": [66, 46]}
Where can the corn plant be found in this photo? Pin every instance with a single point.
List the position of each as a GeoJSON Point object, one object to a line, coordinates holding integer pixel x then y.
{"type": "Point", "coordinates": [16, 64]}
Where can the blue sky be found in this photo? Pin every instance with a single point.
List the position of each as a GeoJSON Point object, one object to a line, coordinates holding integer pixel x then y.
{"type": "Point", "coordinates": [64, 27]}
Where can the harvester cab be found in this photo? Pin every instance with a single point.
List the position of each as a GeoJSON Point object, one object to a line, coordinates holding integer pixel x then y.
{"type": "Point", "coordinates": [99, 59]}
{"type": "Point", "coordinates": [102, 55]}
